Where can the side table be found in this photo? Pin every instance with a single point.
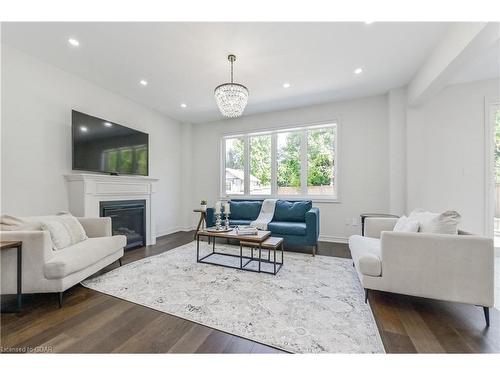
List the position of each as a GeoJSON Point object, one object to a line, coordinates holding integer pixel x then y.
{"type": "Point", "coordinates": [201, 223]}
{"type": "Point", "coordinates": [364, 216]}
{"type": "Point", "coordinates": [8, 245]}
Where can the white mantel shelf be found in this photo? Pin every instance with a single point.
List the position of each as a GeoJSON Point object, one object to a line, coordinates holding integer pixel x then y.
{"type": "Point", "coordinates": [87, 190]}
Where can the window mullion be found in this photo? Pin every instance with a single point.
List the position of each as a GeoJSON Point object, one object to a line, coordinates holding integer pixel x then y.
{"type": "Point", "coordinates": [246, 165]}
{"type": "Point", "coordinates": [303, 163]}
{"type": "Point", "coordinates": [274, 175]}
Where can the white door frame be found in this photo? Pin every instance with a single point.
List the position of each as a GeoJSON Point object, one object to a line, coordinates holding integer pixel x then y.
{"type": "Point", "coordinates": [490, 107]}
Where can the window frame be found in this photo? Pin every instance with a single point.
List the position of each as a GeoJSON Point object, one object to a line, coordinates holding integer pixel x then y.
{"type": "Point", "coordinates": [303, 128]}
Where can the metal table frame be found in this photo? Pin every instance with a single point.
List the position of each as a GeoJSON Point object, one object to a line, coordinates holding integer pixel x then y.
{"type": "Point", "coordinates": [244, 260]}
{"type": "Point", "coordinates": [19, 294]}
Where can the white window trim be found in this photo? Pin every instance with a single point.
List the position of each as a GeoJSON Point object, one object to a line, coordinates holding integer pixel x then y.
{"type": "Point", "coordinates": [273, 132]}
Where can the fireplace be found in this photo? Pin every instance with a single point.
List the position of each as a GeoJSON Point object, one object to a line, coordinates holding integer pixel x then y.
{"type": "Point", "coordinates": [128, 218]}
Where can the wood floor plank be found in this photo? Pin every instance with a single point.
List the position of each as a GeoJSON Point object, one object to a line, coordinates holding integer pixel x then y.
{"type": "Point", "coordinates": [419, 332]}
{"type": "Point", "coordinates": [216, 342]}
{"type": "Point", "coordinates": [191, 340]}
{"type": "Point", "coordinates": [157, 336]}
{"type": "Point", "coordinates": [92, 322]}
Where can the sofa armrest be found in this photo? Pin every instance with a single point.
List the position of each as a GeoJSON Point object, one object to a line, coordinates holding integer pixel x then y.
{"type": "Point", "coordinates": [312, 225]}
{"type": "Point", "coordinates": [442, 266]}
{"type": "Point", "coordinates": [210, 219]}
{"type": "Point", "coordinates": [96, 226]}
{"type": "Point", "coordinates": [374, 226]}
{"type": "Point", "coordinates": [36, 251]}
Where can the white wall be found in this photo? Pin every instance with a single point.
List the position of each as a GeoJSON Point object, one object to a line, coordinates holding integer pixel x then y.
{"type": "Point", "coordinates": [397, 103]}
{"type": "Point", "coordinates": [363, 159]}
{"type": "Point", "coordinates": [446, 151]}
{"type": "Point", "coordinates": [37, 99]}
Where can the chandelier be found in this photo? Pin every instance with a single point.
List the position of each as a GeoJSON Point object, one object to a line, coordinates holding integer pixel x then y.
{"type": "Point", "coordinates": [231, 97]}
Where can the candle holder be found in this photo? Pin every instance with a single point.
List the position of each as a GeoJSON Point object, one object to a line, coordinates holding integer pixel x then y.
{"type": "Point", "coordinates": [226, 221]}
{"type": "Point", "coordinates": [217, 221]}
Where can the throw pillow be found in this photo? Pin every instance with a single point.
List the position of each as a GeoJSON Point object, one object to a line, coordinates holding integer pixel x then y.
{"type": "Point", "coordinates": [58, 234]}
{"type": "Point", "coordinates": [430, 222]}
{"type": "Point", "coordinates": [404, 224]}
{"type": "Point", "coordinates": [65, 230]}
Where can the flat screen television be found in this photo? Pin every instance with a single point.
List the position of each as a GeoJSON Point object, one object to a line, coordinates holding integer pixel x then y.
{"type": "Point", "coordinates": [104, 146]}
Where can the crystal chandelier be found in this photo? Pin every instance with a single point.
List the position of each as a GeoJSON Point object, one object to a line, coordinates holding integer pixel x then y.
{"type": "Point", "coordinates": [231, 97]}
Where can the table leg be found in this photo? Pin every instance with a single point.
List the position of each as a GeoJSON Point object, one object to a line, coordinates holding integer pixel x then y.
{"type": "Point", "coordinates": [199, 225]}
{"type": "Point", "coordinates": [197, 247]}
{"type": "Point", "coordinates": [282, 254]}
{"type": "Point", "coordinates": [260, 253]}
{"type": "Point", "coordinates": [213, 245]}
{"type": "Point", "coordinates": [241, 256]}
{"type": "Point", "coordinates": [19, 277]}
{"type": "Point", "coordinates": [274, 260]}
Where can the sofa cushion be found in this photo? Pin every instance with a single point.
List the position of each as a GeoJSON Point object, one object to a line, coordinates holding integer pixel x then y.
{"type": "Point", "coordinates": [365, 252]}
{"type": "Point", "coordinates": [82, 255]}
{"type": "Point", "coordinates": [290, 228]}
{"type": "Point", "coordinates": [245, 210]}
{"type": "Point", "coordinates": [291, 211]}
{"type": "Point", "coordinates": [239, 222]}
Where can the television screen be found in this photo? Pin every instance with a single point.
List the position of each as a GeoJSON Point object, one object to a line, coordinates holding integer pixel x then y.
{"type": "Point", "coordinates": [104, 146]}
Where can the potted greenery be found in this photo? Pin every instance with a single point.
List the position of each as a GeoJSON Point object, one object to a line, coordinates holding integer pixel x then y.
{"type": "Point", "coordinates": [203, 204]}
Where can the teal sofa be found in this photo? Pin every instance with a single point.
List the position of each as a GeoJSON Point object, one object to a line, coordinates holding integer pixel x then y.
{"type": "Point", "coordinates": [297, 222]}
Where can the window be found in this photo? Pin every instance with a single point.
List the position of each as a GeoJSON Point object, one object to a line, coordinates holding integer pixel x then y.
{"type": "Point", "coordinates": [260, 165]}
{"type": "Point", "coordinates": [234, 166]}
{"type": "Point", "coordinates": [288, 163]}
{"type": "Point", "coordinates": [298, 162]}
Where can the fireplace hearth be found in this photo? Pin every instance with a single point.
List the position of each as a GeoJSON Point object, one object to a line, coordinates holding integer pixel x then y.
{"type": "Point", "coordinates": [128, 218]}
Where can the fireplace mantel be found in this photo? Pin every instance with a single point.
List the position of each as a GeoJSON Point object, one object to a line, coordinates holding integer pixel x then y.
{"type": "Point", "coordinates": [87, 190]}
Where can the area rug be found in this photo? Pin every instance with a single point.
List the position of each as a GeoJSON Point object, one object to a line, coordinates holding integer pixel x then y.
{"type": "Point", "coordinates": [313, 305]}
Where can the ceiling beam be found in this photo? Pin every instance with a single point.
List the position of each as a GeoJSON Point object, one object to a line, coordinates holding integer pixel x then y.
{"type": "Point", "coordinates": [461, 44]}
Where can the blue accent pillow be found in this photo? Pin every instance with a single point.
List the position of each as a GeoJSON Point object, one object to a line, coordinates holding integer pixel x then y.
{"type": "Point", "coordinates": [291, 211]}
{"type": "Point", "coordinates": [245, 210]}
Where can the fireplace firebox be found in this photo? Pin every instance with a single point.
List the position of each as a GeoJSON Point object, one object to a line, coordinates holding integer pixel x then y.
{"type": "Point", "coordinates": [128, 218]}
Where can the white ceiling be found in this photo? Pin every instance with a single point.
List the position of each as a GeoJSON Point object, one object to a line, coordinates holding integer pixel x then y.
{"type": "Point", "coordinates": [484, 66]}
{"type": "Point", "coordinates": [184, 62]}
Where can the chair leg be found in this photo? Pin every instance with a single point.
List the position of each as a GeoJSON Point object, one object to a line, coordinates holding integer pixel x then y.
{"type": "Point", "coordinates": [366, 295]}
{"type": "Point", "coordinates": [314, 251]}
{"type": "Point", "coordinates": [486, 311]}
{"type": "Point", "coordinates": [60, 295]}
{"type": "Point", "coordinates": [120, 261]}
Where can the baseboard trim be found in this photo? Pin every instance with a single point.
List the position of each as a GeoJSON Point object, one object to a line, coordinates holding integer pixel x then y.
{"type": "Point", "coordinates": [327, 238]}
{"type": "Point", "coordinates": [324, 238]}
{"type": "Point", "coordinates": [173, 230]}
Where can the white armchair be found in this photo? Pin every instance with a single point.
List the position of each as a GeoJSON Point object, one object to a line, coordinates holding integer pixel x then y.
{"type": "Point", "coordinates": [456, 268]}
{"type": "Point", "coordinates": [45, 270]}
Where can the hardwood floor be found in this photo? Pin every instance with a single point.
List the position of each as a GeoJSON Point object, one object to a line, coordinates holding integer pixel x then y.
{"type": "Point", "coordinates": [93, 322]}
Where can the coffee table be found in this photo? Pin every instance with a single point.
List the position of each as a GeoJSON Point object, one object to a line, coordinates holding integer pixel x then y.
{"type": "Point", "coordinates": [255, 240]}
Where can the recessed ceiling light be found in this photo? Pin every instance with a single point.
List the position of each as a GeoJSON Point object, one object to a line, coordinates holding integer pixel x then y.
{"type": "Point", "coordinates": [286, 85]}
{"type": "Point", "coordinates": [369, 22]}
{"type": "Point", "coordinates": [143, 82]}
{"type": "Point", "coordinates": [183, 105]}
{"type": "Point", "coordinates": [358, 71]}
{"type": "Point", "coordinates": [73, 42]}
{"type": "Point", "coordinates": [83, 129]}
{"type": "Point", "coordinates": [108, 124]}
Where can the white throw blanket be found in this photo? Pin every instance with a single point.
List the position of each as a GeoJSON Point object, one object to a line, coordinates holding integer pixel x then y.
{"type": "Point", "coordinates": [266, 214]}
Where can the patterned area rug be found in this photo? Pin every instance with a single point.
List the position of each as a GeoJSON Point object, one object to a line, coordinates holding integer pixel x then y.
{"type": "Point", "coordinates": [313, 305]}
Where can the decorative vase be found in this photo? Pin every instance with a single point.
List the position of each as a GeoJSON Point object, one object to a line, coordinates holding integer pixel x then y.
{"type": "Point", "coordinates": [203, 207]}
